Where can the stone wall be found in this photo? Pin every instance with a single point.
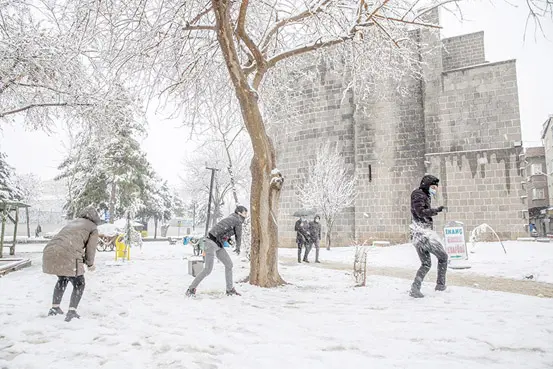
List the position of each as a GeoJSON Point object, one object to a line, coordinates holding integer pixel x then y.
{"type": "Point", "coordinates": [463, 51]}
{"type": "Point", "coordinates": [459, 124]}
{"type": "Point", "coordinates": [480, 187]}
{"type": "Point", "coordinates": [478, 109]}
{"type": "Point", "coordinates": [321, 114]}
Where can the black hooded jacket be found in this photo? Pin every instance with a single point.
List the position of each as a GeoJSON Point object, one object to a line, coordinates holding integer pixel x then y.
{"type": "Point", "coordinates": [421, 210]}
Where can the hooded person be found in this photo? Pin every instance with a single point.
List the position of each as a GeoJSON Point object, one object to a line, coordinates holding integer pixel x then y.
{"type": "Point", "coordinates": [315, 232]}
{"type": "Point", "coordinates": [65, 256]}
{"type": "Point", "coordinates": [214, 246]}
{"type": "Point", "coordinates": [425, 240]}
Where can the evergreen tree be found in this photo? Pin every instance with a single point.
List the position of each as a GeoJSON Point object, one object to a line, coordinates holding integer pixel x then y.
{"type": "Point", "coordinates": [8, 189]}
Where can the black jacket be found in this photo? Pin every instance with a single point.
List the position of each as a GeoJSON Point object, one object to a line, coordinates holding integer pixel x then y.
{"type": "Point", "coordinates": [302, 234]}
{"type": "Point", "coordinates": [421, 210]}
{"type": "Point", "coordinates": [226, 228]}
{"type": "Point", "coordinates": [315, 230]}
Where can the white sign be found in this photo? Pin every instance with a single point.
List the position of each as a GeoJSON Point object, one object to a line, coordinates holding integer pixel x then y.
{"type": "Point", "coordinates": [455, 246]}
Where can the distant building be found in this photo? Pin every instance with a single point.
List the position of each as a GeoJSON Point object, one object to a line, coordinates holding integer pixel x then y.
{"type": "Point", "coordinates": [537, 193]}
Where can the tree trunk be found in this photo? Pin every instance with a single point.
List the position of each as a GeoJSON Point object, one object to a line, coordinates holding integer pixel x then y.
{"type": "Point", "coordinates": [266, 182]}
{"type": "Point", "coordinates": [155, 228]}
{"type": "Point", "coordinates": [329, 225]}
{"type": "Point", "coordinates": [112, 202]}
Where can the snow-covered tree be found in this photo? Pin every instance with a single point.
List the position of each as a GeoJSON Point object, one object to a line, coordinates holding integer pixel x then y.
{"type": "Point", "coordinates": [329, 186]}
{"type": "Point", "coordinates": [159, 202]}
{"type": "Point", "coordinates": [196, 178]}
{"type": "Point", "coordinates": [107, 167]}
{"type": "Point", "coordinates": [30, 186]}
{"type": "Point", "coordinates": [50, 67]}
{"type": "Point", "coordinates": [8, 187]}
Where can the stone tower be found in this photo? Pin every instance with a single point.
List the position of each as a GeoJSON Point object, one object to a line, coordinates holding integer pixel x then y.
{"type": "Point", "coordinates": [461, 124]}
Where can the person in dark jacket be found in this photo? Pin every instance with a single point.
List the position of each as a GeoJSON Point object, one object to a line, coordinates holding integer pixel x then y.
{"type": "Point", "coordinates": [425, 240]}
{"type": "Point", "coordinates": [214, 246]}
{"type": "Point", "coordinates": [302, 238]}
{"type": "Point", "coordinates": [315, 234]}
{"type": "Point", "coordinates": [65, 256]}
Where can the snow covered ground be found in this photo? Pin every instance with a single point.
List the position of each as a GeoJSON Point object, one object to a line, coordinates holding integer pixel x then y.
{"type": "Point", "coordinates": [135, 315]}
{"type": "Point", "coordinates": [522, 259]}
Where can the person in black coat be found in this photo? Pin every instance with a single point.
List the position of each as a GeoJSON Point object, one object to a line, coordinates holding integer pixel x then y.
{"type": "Point", "coordinates": [425, 240]}
{"type": "Point", "coordinates": [302, 238]}
{"type": "Point", "coordinates": [315, 233]}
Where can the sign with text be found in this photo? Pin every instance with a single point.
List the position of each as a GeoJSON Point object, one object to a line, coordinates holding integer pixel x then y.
{"type": "Point", "coordinates": [454, 237]}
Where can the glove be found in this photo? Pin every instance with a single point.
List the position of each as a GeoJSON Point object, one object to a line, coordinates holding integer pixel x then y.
{"type": "Point", "coordinates": [91, 268]}
{"type": "Point", "coordinates": [440, 209]}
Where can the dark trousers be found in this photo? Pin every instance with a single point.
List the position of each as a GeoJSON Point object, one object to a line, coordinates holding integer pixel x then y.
{"type": "Point", "coordinates": [426, 246]}
{"type": "Point", "coordinates": [78, 290]}
{"type": "Point", "coordinates": [307, 249]}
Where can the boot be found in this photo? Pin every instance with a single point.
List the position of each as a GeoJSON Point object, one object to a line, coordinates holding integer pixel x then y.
{"type": "Point", "coordinates": [317, 261]}
{"type": "Point", "coordinates": [191, 292]}
{"type": "Point", "coordinates": [299, 255]}
{"type": "Point", "coordinates": [305, 261]}
{"type": "Point", "coordinates": [72, 314]}
{"type": "Point", "coordinates": [441, 287]}
{"type": "Point", "coordinates": [233, 292]}
{"type": "Point", "coordinates": [416, 294]}
{"type": "Point", "coordinates": [55, 311]}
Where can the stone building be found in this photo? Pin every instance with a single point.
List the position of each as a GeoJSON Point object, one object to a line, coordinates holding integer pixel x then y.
{"type": "Point", "coordinates": [537, 194]}
{"type": "Point", "coordinates": [547, 141]}
{"type": "Point", "coordinates": [461, 124]}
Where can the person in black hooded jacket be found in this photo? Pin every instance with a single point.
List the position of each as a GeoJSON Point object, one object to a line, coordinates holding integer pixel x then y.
{"type": "Point", "coordinates": [425, 240]}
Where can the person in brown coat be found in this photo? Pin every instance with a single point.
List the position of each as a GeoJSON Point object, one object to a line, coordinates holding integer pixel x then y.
{"type": "Point", "coordinates": [65, 256]}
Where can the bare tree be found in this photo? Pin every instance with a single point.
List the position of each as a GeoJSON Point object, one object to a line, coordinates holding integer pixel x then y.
{"type": "Point", "coordinates": [196, 179]}
{"type": "Point", "coordinates": [329, 186]}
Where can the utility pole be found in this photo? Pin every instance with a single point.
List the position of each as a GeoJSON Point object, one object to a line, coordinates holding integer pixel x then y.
{"type": "Point", "coordinates": [194, 216]}
{"type": "Point", "coordinates": [213, 170]}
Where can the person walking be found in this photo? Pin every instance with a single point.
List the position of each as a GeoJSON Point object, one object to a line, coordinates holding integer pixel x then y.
{"type": "Point", "coordinates": [214, 246]}
{"type": "Point", "coordinates": [65, 256]}
{"type": "Point", "coordinates": [425, 240]}
{"type": "Point", "coordinates": [302, 238]}
{"type": "Point", "coordinates": [315, 234]}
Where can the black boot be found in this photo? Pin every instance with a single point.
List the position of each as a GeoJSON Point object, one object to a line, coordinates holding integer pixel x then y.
{"type": "Point", "coordinates": [55, 311]}
{"type": "Point", "coordinates": [416, 294]}
{"type": "Point", "coordinates": [440, 287]}
{"type": "Point", "coordinates": [72, 314]}
{"type": "Point", "coordinates": [233, 292]}
{"type": "Point", "coordinates": [299, 255]}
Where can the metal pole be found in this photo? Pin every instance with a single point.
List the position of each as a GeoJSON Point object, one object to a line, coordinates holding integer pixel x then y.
{"type": "Point", "coordinates": [213, 170]}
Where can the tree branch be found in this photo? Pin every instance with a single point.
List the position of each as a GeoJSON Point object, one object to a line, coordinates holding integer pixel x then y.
{"type": "Point", "coordinates": [306, 48]}
{"type": "Point", "coordinates": [43, 105]}
{"type": "Point", "coordinates": [242, 34]}
{"type": "Point", "coordinates": [293, 19]}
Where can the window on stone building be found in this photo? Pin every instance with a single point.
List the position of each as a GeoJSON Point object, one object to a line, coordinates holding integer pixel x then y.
{"type": "Point", "coordinates": [536, 169]}
{"type": "Point", "coordinates": [538, 194]}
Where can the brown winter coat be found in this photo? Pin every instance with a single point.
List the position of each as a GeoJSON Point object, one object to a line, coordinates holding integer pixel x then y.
{"type": "Point", "coordinates": [74, 246]}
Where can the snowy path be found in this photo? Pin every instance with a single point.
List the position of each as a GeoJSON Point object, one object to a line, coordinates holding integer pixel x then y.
{"type": "Point", "coordinates": [135, 316]}
{"type": "Point", "coordinates": [454, 278]}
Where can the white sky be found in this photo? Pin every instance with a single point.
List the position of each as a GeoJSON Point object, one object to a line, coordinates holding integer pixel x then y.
{"type": "Point", "coordinates": [503, 25]}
